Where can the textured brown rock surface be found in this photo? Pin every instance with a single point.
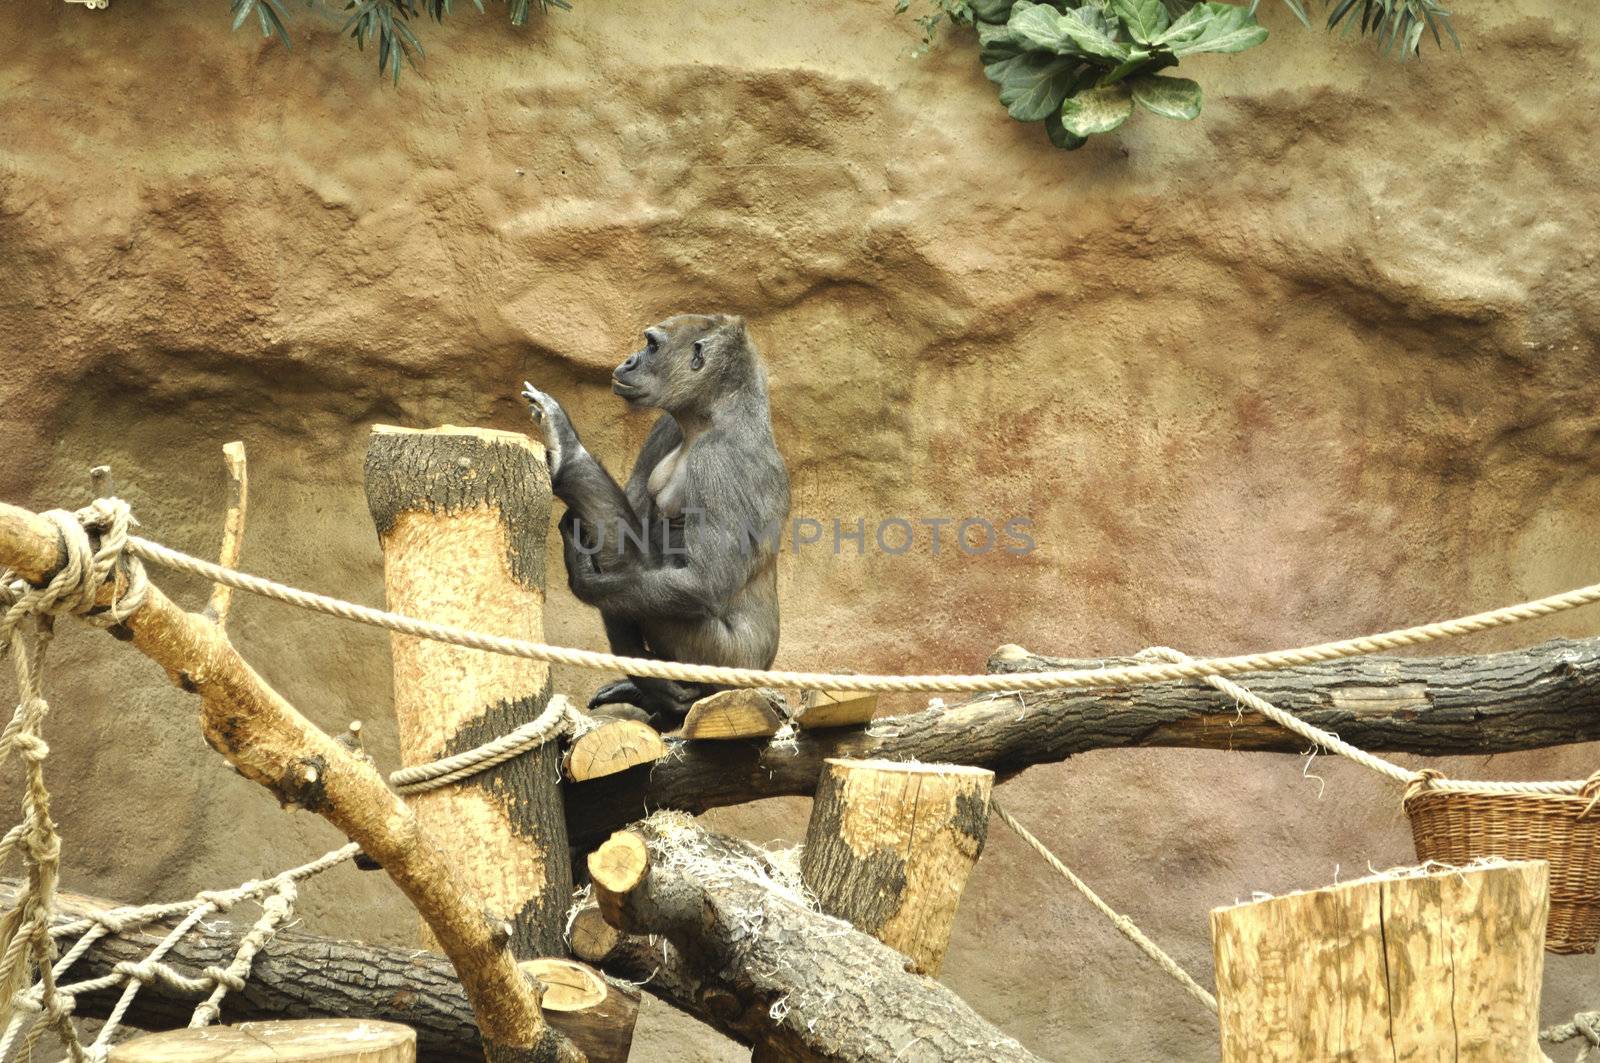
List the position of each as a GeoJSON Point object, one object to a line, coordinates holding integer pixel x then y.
{"type": "Point", "coordinates": [1319, 363]}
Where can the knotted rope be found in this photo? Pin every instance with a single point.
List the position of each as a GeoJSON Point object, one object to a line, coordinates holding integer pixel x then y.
{"type": "Point", "coordinates": [1585, 1024]}
{"type": "Point", "coordinates": [277, 896]}
{"type": "Point", "coordinates": [95, 538]}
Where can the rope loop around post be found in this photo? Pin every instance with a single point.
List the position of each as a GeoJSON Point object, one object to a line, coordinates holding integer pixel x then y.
{"type": "Point", "coordinates": [95, 540]}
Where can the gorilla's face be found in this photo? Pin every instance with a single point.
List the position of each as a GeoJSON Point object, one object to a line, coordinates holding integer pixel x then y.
{"type": "Point", "coordinates": [667, 373]}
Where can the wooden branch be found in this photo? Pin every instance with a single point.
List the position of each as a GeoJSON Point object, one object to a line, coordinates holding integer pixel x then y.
{"type": "Point", "coordinates": [821, 709]}
{"type": "Point", "coordinates": [1435, 706]}
{"type": "Point", "coordinates": [612, 747]}
{"type": "Point", "coordinates": [462, 515]}
{"type": "Point", "coordinates": [271, 743]}
{"type": "Point", "coordinates": [796, 984]}
{"type": "Point", "coordinates": [729, 715]}
{"type": "Point", "coordinates": [232, 528]}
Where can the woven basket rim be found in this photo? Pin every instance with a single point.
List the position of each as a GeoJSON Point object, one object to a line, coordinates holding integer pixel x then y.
{"type": "Point", "coordinates": [1554, 801]}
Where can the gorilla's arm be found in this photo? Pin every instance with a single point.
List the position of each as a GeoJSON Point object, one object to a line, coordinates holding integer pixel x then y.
{"type": "Point", "coordinates": [731, 503]}
{"type": "Point", "coordinates": [597, 507]}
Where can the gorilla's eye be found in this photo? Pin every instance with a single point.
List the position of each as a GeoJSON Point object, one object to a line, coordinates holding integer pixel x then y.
{"type": "Point", "coordinates": [650, 344]}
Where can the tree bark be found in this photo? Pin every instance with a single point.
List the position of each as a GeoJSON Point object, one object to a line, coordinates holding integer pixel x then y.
{"type": "Point", "coordinates": [462, 514]}
{"type": "Point", "coordinates": [795, 984]}
{"type": "Point", "coordinates": [272, 744]}
{"type": "Point", "coordinates": [1435, 706]}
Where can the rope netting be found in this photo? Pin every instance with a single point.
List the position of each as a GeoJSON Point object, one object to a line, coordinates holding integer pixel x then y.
{"type": "Point", "coordinates": [33, 998]}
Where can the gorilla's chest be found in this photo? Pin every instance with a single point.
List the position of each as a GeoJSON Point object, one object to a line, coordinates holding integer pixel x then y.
{"type": "Point", "coordinates": [669, 483]}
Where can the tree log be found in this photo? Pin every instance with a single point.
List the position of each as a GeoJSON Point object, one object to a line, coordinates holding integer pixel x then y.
{"type": "Point", "coordinates": [1437, 966]}
{"type": "Point", "coordinates": [296, 1041]}
{"type": "Point", "coordinates": [729, 715]}
{"type": "Point", "coordinates": [889, 848]}
{"type": "Point", "coordinates": [301, 975]}
{"type": "Point", "coordinates": [271, 743]}
{"type": "Point", "coordinates": [462, 514]}
{"type": "Point", "coordinates": [596, 1016]}
{"type": "Point", "coordinates": [1435, 706]}
{"type": "Point", "coordinates": [796, 984]}
{"type": "Point", "coordinates": [614, 746]}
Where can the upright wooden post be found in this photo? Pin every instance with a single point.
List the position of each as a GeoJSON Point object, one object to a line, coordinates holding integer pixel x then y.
{"type": "Point", "coordinates": [1436, 966]}
{"type": "Point", "coordinates": [462, 515]}
{"type": "Point", "coordinates": [890, 845]}
{"type": "Point", "coordinates": [291, 1041]}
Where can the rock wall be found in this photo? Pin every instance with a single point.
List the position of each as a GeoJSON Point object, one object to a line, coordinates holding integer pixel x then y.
{"type": "Point", "coordinates": [1318, 363]}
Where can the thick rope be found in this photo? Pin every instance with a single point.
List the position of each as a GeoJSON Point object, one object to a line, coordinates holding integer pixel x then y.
{"type": "Point", "coordinates": [558, 717]}
{"type": "Point", "coordinates": [1124, 925]}
{"type": "Point", "coordinates": [94, 538]}
{"type": "Point", "coordinates": [1198, 668]}
{"type": "Point", "coordinates": [1585, 1024]}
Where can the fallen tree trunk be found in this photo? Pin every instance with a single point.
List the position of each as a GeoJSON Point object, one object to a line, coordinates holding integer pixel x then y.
{"type": "Point", "coordinates": [1435, 706]}
{"type": "Point", "coordinates": [796, 984]}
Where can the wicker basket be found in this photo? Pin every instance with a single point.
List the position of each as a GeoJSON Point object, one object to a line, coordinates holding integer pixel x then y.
{"type": "Point", "coordinates": [1459, 826]}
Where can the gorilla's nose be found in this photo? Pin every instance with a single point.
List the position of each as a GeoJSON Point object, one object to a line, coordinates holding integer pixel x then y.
{"type": "Point", "coordinates": [630, 365]}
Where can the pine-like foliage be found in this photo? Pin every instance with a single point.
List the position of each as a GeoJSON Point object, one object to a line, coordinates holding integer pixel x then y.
{"type": "Point", "coordinates": [386, 24]}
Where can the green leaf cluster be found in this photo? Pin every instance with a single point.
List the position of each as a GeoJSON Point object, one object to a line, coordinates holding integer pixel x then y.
{"type": "Point", "coordinates": [1083, 70]}
{"type": "Point", "coordinates": [386, 24]}
{"type": "Point", "coordinates": [1397, 25]}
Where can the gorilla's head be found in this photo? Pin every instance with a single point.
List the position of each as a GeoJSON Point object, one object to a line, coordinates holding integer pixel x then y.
{"type": "Point", "coordinates": [688, 362]}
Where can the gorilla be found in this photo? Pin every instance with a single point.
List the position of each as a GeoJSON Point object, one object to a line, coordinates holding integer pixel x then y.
{"type": "Point", "coordinates": [682, 562]}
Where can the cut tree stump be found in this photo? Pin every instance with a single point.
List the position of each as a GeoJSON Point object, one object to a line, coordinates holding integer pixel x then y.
{"type": "Point", "coordinates": [821, 709]}
{"type": "Point", "coordinates": [730, 714]}
{"type": "Point", "coordinates": [596, 1015]}
{"type": "Point", "coordinates": [591, 937]}
{"type": "Point", "coordinates": [889, 848]}
{"type": "Point", "coordinates": [289, 1041]}
{"type": "Point", "coordinates": [462, 515]}
{"type": "Point", "coordinates": [1438, 966]}
{"type": "Point", "coordinates": [614, 746]}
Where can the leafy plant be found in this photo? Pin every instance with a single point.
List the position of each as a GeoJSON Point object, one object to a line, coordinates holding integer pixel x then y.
{"type": "Point", "coordinates": [388, 22]}
{"type": "Point", "coordinates": [1083, 70]}
{"type": "Point", "coordinates": [1397, 24]}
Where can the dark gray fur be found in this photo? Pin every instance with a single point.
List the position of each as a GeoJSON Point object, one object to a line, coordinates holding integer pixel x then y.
{"type": "Point", "coordinates": [703, 586]}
